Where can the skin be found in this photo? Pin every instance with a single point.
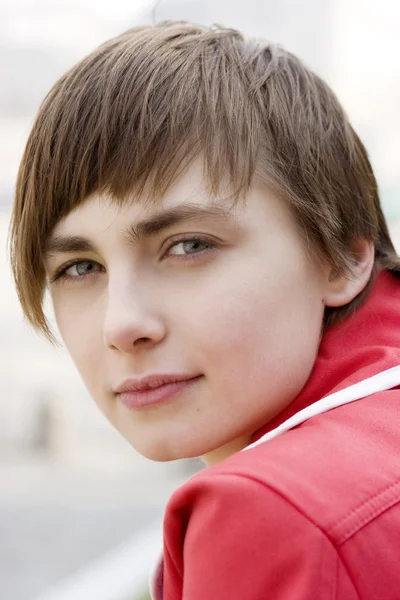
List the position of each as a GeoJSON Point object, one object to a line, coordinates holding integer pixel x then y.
{"type": "Point", "coordinates": [242, 308]}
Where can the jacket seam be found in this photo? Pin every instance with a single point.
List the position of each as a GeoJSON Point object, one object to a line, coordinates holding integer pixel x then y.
{"type": "Point", "coordinates": [370, 516]}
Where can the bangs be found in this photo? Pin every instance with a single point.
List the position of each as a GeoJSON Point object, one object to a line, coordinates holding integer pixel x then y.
{"type": "Point", "coordinates": [130, 118]}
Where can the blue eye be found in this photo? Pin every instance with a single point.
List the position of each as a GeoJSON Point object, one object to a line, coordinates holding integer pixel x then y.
{"type": "Point", "coordinates": [81, 269]}
{"type": "Point", "coordinates": [187, 247]}
{"type": "Point", "coordinates": [78, 270]}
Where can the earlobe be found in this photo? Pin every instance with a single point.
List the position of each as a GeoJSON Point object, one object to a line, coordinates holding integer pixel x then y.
{"type": "Point", "coordinates": [342, 289]}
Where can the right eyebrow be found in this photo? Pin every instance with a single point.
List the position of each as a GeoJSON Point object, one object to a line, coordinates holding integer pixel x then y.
{"type": "Point", "coordinates": [68, 243]}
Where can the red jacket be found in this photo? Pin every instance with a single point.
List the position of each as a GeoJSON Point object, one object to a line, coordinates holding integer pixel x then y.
{"type": "Point", "coordinates": [314, 513]}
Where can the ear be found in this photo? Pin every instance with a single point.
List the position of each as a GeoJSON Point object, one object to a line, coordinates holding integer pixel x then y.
{"type": "Point", "coordinates": [341, 289]}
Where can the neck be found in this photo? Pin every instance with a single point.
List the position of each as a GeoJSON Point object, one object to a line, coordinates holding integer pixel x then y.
{"type": "Point", "coordinates": [219, 454]}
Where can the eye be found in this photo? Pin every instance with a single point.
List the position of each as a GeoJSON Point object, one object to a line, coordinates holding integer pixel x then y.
{"type": "Point", "coordinates": [78, 270]}
{"type": "Point", "coordinates": [190, 246]}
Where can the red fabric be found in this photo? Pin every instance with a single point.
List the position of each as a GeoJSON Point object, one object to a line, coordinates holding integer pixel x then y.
{"type": "Point", "coordinates": [315, 512]}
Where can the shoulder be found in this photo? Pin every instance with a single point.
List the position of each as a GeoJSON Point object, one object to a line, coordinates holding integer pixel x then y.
{"type": "Point", "coordinates": [229, 536]}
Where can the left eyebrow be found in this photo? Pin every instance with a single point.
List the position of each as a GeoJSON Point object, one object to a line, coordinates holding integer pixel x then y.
{"type": "Point", "coordinates": [137, 232]}
{"type": "Point", "coordinates": [173, 216]}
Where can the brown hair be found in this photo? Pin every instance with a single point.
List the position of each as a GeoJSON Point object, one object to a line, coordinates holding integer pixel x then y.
{"type": "Point", "coordinates": [132, 115]}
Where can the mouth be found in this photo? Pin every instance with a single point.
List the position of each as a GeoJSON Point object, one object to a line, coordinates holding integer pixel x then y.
{"type": "Point", "coordinates": [153, 391]}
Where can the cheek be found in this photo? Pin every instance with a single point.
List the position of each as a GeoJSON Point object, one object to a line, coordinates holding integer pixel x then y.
{"type": "Point", "coordinates": [258, 334]}
{"type": "Point", "coordinates": [80, 327]}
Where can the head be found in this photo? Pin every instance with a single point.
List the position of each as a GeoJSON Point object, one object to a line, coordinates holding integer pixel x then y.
{"type": "Point", "coordinates": [197, 204]}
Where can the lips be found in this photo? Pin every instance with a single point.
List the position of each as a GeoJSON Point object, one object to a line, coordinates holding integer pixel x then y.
{"type": "Point", "coordinates": [153, 389]}
{"type": "Point", "coordinates": [151, 382]}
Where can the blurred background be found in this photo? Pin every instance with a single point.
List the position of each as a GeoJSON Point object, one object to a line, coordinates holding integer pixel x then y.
{"type": "Point", "coordinates": [80, 511]}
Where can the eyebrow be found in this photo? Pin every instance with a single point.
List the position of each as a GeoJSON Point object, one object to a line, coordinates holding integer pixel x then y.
{"type": "Point", "coordinates": [67, 243]}
{"type": "Point", "coordinates": [137, 232]}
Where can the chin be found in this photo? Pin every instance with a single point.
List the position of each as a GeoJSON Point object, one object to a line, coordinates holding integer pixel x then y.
{"type": "Point", "coordinates": [165, 451]}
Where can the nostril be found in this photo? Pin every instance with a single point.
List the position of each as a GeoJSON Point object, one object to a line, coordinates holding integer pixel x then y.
{"type": "Point", "coordinates": [141, 341]}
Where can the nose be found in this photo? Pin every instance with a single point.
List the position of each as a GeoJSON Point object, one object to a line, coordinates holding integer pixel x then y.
{"type": "Point", "coordinates": [130, 320]}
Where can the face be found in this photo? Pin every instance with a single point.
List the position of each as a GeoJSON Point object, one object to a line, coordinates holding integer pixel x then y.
{"type": "Point", "coordinates": [190, 289]}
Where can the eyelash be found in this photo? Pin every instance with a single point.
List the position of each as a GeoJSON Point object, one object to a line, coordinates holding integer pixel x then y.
{"type": "Point", "coordinates": [60, 273]}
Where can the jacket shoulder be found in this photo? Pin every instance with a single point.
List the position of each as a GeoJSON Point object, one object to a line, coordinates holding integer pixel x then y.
{"type": "Point", "coordinates": [229, 536]}
{"type": "Point", "coordinates": [338, 469]}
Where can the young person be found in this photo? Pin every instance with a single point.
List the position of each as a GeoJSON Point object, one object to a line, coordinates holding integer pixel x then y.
{"type": "Point", "coordinates": [209, 228]}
